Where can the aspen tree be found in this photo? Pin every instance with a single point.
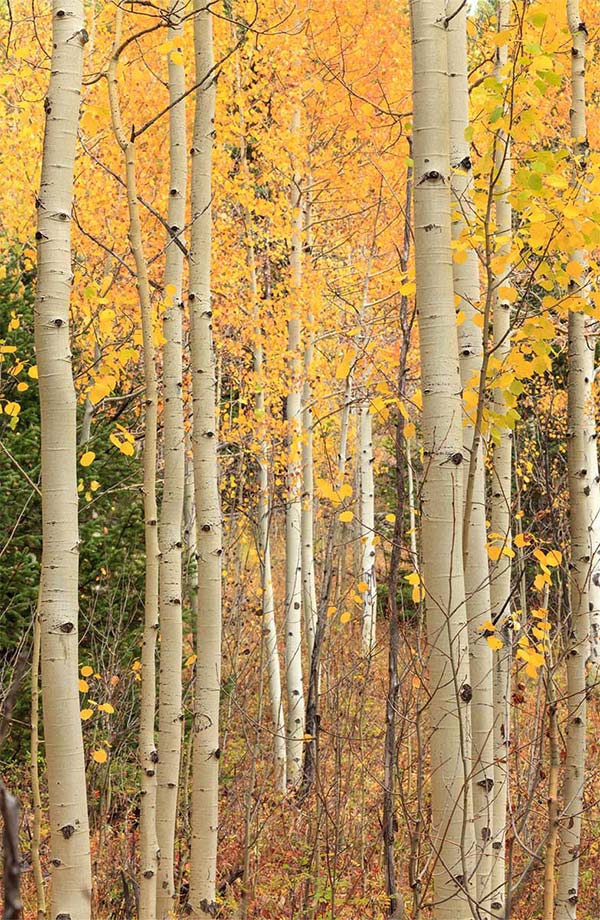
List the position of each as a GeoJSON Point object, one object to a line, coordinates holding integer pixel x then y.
{"type": "Point", "coordinates": [269, 625]}
{"type": "Point", "coordinates": [149, 852]}
{"type": "Point", "coordinates": [293, 507]}
{"type": "Point", "coordinates": [500, 501]}
{"type": "Point", "coordinates": [309, 588]}
{"type": "Point", "coordinates": [58, 596]}
{"type": "Point", "coordinates": [206, 753]}
{"type": "Point", "coordinates": [367, 530]}
{"type": "Point", "coordinates": [579, 418]}
{"type": "Point", "coordinates": [470, 343]}
{"type": "Point", "coordinates": [443, 578]}
{"type": "Point", "coordinates": [170, 713]}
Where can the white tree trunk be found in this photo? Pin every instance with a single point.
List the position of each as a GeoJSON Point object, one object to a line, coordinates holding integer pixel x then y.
{"type": "Point", "coordinates": [579, 418]}
{"type": "Point", "coordinates": [170, 714]}
{"type": "Point", "coordinates": [367, 530]}
{"type": "Point", "coordinates": [470, 343]}
{"type": "Point", "coordinates": [293, 509]}
{"type": "Point", "coordinates": [58, 599]}
{"type": "Point", "coordinates": [449, 678]}
{"type": "Point", "coordinates": [206, 482]}
{"type": "Point", "coordinates": [500, 506]}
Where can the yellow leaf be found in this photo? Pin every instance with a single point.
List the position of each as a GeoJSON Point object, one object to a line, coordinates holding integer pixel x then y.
{"type": "Point", "coordinates": [94, 485]}
{"type": "Point", "coordinates": [362, 586]}
{"type": "Point", "coordinates": [106, 707]}
{"type": "Point", "coordinates": [409, 430]}
{"type": "Point", "coordinates": [521, 540]}
{"type": "Point", "coordinates": [460, 256]}
{"type": "Point", "coordinates": [539, 582]}
{"type": "Point", "coordinates": [574, 269]}
{"type": "Point", "coordinates": [177, 57]}
{"type": "Point", "coordinates": [554, 557]}
{"type": "Point", "coordinates": [531, 670]}
{"type": "Point", "coordinates": [190, 661]}
{"type": "Point", "coordinates": [346, 516]}
{"type": "Point", "coordinates": [170, 289]}
{"type": "Point", "coordinates": [331, 611]}
{"type": "Point", "coordinates": [86, 671]}
{"type": "Point", "coordinates": [417, 594]}
{"type": "Point", "coordinates": [413, 579]}
{"type": "Point", "coordinates": [390, 518]}
{"type": "Point", "coordinates": [83, 686]}
{"type": "Point", "coordinates": [86, 714]}
{"type": "Point", "coordinates": [88, 458]}
{"type": "Point", "coordinates": [345, 490]}
{"type": "Point", "coordinates": [345, 617]}
{"type": "Point", "coordinates": [99, 756]}
{"type": "Point", "coordinates": [507, 294]}
{"type": "Point", "coordinates": [495, 643]}
{"type": "Point", "coordinates": [494, 552]}
{"type": "Point", "coordinates": [21, 387]}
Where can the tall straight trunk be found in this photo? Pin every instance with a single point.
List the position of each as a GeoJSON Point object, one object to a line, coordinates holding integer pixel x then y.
{"type": "Point", "coordinates": [367, 530]}
{"type": "Point", "coordinates": [579, 417]}
{"type": "Point", "coordinates": [205, 785]}
{"type": "Point", "coordinates": [149, 852]}
{"type": "Point", "coordinates": [170, 714]}
{"type": "Point", "coordinates": [443, 577]}
{"type": "Point", "coordinates": [58, 598]}
{"type": "Point", "coordinates": [269, 625]}
{"type": "Point", "coordinates": [475, 559]}
{"type": "Point", "coordinates": [293, 507]}
{"type": "Point", "coordinates": [500, 504]}
{"type": "Point", "coordinates": [309, 587]}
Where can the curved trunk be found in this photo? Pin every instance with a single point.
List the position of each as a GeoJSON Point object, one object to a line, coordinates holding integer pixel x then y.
{"type": "Point", "coordinates": [170, 713]}
{"type": "Point", "coordinates": [205, 788]}
{"type": "Point", "coordinates": [58, 599]}
{"type": "Point", "coordinates": [149, 853]}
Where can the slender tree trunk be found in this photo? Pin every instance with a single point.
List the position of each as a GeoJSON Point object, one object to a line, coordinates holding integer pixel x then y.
{"type": "Point", "coordinates": [367, 530]}
{"type": "Point", "coordinates": [269, 625]}
{"type": "Point", "coordinates": [205, 785]}
{"type": "Point", "coordinates": [443, 577]}
{"type": "Point", "coordinates": [170, 714]}
{"type": "Point", "coordinates": [580, 487]}
{"type": "Point", "coordinates": [293, 508]}
{"type": "Point", "coordinates": [309, 587]}
{"type": "Point", "coordinates": [554, 773]}
{"type": "Point", "coordinates": [58, 599]}
{"type": "Point", "coordinates": [396, 904]}
{"type": "Point", "coordinates": [36, 799]}
{"type": "Point", "coordinates": [500, 507]}
{"type": "Point", "coordinates": [470, 343]}
{"type": "Point", "coordinates": [149, 853]}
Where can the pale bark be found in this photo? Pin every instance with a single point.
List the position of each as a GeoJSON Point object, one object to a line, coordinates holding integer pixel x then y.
{"type": "Point", "coordinates": [293, 507]}
{"type": "Point", "coordinates": [149, 852]}
{"type": "Point", "coordinates": [58, 599]}
{"type": "Point", "coordinates": [579, 418]}
{"type": "Point", "coordinates": [309, 587]}
{"type": "Point", "coordinates": [449, 678]}
{"type": "Point", "coordinates": [500, 504]}
{"type": "Point", "coordinates": [475, 559]}
{"type": "Point", "coordinates": [36, 799]}
{"type": "Point", "coordinates": [367, 530]}
{"type": "Point", "coordinates": [170, 714]}
{"type": "Point", "coordinates": [205, 801]}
